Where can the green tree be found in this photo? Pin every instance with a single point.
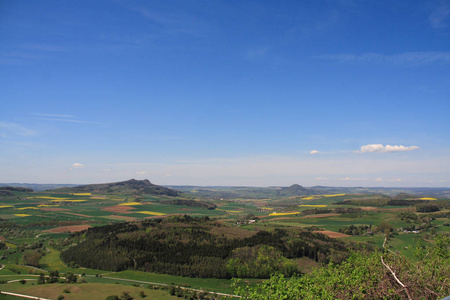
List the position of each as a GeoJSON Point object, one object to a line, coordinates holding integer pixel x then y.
{"type": "Point", "coordinates": [41, 279]}
{"type": "Point", "coordinates": [366, 276]}
{"type": "Point", "coordinates": [31, 258]}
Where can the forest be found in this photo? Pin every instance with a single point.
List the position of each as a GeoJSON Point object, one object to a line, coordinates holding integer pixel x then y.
{"type": "Point", "coordinates": [185, 246]}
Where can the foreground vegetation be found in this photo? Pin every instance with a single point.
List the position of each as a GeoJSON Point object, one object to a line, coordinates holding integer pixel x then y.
{"type": "Point", "coordinates": [367, 275]}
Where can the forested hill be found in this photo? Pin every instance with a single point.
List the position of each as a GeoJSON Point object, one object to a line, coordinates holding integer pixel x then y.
{"type": "Point", "coordinates": [129, 187]}
{"type": "Point", "coordinates": [198, 247]}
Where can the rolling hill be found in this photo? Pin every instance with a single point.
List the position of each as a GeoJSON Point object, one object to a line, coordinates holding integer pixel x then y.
{"type": "Point", "coordinates": [128, 187]}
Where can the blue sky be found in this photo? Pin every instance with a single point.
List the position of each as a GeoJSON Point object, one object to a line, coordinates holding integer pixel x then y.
{"type": "Point", "coordinates": [260, 93]}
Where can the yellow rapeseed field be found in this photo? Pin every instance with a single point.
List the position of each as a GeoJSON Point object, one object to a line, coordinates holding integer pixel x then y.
{"type": "Point", "coordinates": [428, 198]}
{"type": "Point", "coordinates": [47, 205]}
{"type": "Point", "coordinates": [268, 208]}
{"type": "Point", "coordinates": [22, 215]}
{"type": "Point", "coordinates": [5, 206]}
{"type": "Point", "coordinates": [334, 195]}
{"type": "Point", "coordinates": [233, 211]}
{"type": "Point", "coordinates": [131, 203]}
{"type": "Point", "coordinates": [151, 213]}
{"type": "Point", "coordinates": [81, 194]}
{"type": "Point", "coordinates": [308, 198]}
{"type": "Point", "coordinates": [48, 197]}
{"type": "Point", "coordinates": [284, 214]}
{"type": "Point", "coordinates": [30, 207]}
{"type": "Point", "coordinates": [312, 205]}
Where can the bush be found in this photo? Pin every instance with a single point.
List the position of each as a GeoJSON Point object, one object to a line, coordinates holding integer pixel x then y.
{"type": "Point", "coordinates": [126, 296]}
{"type": "Point", "coordinates": [81, 280]}
{"type": "Point", "coordinates": [365, 276]}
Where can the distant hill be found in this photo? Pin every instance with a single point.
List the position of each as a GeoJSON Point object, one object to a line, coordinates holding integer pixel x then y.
{"type": "Point", "coordinates": [296, 190]}
{"type": "Point", "coordinates": [15, 189]}
{"type": "Point", "coordinates": [36, 186]}
{"type": "Point", "coordinates": [129, 187]}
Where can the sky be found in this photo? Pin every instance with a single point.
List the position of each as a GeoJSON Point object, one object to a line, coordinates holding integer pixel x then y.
{"type": "Point", "coordinates": [230, 93]}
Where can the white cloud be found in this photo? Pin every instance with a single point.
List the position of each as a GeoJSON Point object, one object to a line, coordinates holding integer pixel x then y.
{"type": "Point", "coordinates": [7, 129]}
{"type": "Point", "coordinates": [77, 166]}
{"type": "Point", "coordinates": [321, 178]}
{"type": "Point", "coordinates": [313, 152]}
{"type": "Point", "coordinates": [379, 148]}
{"type": "Point", "coordinates": [351, 179]}
{"type": "Point", "coordinates": [141, 173]}
{"type": "Point", "coordinates": [397, 180]}
{"type": "Point", "coordinates": [379, 179]}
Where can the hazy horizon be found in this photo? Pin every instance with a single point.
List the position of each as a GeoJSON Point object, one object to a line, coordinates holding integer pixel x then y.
{"type": "Point", "coordinates": [219, 93]}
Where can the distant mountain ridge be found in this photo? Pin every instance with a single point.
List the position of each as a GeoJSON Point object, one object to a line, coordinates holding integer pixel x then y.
{"type": "Point", "coordinates": [128, 187]}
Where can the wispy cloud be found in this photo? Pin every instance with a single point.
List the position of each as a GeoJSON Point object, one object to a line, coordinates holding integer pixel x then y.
{"type": "Point", "coordinates": [173, 22]}
{"type": "Point", "coordinates": [438, 19]}
{"type": "Point", "coordinates": [13, 129]}
{"type": "Point", "coordinates": [403, 59]}
{"type": "Point", "coordinates": [43, 47]}
{"type": "Point", "coordinates": [257, 53]}
{"type": "Point", "coordinates": [61, 118]}
{"type": "Point", "coordinates": [379, 148]}
{"type": "Point", "coordinates": [53, 115]}
{"type": "Point", "coordinates": [313, 151]}
{"type": "Point", "coordinates": [22, 54]}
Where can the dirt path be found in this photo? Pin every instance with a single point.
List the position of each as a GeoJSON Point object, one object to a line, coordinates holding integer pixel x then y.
{"type": "Point", "coordinates": [23, 296]}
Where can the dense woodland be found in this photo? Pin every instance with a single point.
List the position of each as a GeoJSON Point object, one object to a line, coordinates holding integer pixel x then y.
{"type": "Point", "coordinates": [191, 203]}
{"type": "Point", "coordinates": [185, 246]}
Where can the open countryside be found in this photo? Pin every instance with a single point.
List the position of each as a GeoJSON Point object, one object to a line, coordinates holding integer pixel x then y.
{"type": "Point", "coordinates": [206, 246]}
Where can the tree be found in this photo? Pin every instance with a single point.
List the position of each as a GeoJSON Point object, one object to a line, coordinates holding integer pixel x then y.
{"type": "Point", "coordinates": [53, 277]}
{"type": "Point", "coordinates": [126, 296]}
{"type": "Point", "coordinates": [366, 276]}
{"type": "Point", "coordinates": [71, 278]}
{"type": "Point", "coordinates": [31, 258]}
{"type": "Point", "coordinates": [259, 261]}
{"type": "Point", "coordinates": [41, 279]}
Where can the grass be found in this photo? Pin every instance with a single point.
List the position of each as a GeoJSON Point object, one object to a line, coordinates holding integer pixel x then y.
{"type": "Point", "coordinates": [209, 284]}
{"type": "Point", "coordinates": [83, 291]}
